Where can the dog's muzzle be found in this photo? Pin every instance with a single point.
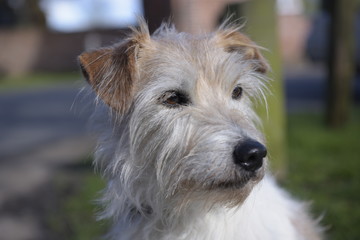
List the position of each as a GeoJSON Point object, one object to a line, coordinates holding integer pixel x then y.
{"type": "Point", "coordinates": [249, 155]}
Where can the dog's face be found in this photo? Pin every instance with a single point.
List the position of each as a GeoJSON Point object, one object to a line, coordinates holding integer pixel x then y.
{"type": "Point", "coordinates": [187, 100]}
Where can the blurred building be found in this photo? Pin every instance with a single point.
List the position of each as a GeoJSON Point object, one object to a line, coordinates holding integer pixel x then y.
{"type": "Point", "coordinates": [48, 35]}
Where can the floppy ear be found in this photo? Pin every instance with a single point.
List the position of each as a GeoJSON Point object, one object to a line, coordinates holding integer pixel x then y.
{"type": "Point", "coordinates": [111, 73]}
{"type": "Point", "coordinates": [234, 41]}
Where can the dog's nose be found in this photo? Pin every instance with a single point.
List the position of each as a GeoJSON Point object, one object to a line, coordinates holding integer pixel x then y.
{"type": "Point", "coordinates": [249, 155]}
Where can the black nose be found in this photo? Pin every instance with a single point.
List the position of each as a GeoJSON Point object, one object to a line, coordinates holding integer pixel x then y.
{"type": "Point", "coordinates": [249, 155]}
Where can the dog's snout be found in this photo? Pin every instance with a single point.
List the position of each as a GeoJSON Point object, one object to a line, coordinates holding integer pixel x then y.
{"type": "Point", "coordinates": [249, 155]}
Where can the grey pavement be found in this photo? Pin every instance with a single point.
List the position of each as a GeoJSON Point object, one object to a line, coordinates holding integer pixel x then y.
{"type": "Point", "coordinates": [40, 131]}
{"type": "Point", "coordinates": [305, 89]}
{"type": "Point", "coordinates": [40, 116]}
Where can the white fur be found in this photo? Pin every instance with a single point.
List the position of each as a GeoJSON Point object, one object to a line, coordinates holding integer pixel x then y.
{"type": "Point", "coordinates": [166, 166]}
{"type": "Point", "coordinates": [266, 214]}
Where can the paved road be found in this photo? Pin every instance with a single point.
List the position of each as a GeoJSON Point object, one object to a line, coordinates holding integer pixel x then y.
{"type": "Point", "coordinates": [40, 131]}
{"type": "Point", "coordinates": [307, 92]}
{"type": "Point", "coordinates": [39, 117]}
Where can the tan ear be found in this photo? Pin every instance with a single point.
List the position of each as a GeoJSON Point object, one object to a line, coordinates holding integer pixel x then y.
{"type": "Point", "coordinates": [110, 72]}
{"type": "Point", "coordinates": [234, 41]}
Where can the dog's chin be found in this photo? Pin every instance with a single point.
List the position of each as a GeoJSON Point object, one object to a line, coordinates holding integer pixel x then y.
{"type": "Point", "coordinates": [228, 192]}
{"type": "Point", "coordinates": [238, 182]}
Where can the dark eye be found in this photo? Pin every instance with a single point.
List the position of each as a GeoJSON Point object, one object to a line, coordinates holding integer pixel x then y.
{"type": "Point", "coordinates": [174, 99]}
{"type": "Point", "coordinates": [237, 93]}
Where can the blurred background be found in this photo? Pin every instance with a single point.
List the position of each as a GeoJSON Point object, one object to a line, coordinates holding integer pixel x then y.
{"type": "Point", "coordinates": [47, 185]}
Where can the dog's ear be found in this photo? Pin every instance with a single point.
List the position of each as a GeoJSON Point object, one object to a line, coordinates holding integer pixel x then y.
{"type": "Point", "coordinates": [234, 41]}
{"type": "Point", "coordinates": [112, 71]}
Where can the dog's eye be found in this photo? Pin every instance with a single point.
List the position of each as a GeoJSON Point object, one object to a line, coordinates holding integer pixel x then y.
{"type": "Point", "coordinates": [174, 99]}
{"type": "Point", "coordinates": [237, 93]}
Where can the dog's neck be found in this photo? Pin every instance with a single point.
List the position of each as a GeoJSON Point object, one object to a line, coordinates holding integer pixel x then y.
{"type": "Point", "coordinates": [252, 218]}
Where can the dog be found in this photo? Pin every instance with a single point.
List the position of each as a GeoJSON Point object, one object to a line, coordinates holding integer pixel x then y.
{"type": "Point", "coordinates": [180, 145]}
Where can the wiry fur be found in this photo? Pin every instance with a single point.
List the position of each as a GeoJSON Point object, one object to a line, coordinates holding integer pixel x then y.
{"type": "Point", "coordinates": [170, 170]}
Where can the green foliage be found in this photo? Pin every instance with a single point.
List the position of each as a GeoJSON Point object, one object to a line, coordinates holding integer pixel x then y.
{"type": "Point", "coordinates": [37, 80]}
{"type": "Point", "coordinates": [324, 166]}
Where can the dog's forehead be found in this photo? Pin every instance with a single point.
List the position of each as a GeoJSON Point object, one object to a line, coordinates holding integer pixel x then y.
{"type": "Point", "coordinates": [184, 59]}
{"type": "Point", "coordinates": [198, 50]}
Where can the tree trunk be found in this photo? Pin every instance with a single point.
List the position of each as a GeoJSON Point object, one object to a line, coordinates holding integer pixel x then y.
{"type": "Point", "coordinates": [341, 64]}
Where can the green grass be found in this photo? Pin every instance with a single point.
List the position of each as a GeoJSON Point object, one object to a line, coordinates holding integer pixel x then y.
{"type": "Point", "coordinates": [83, 221]}
{"type": "Point", "coordinates": [37, 80]}
{"type": "Point", "coordinates": [324, 166]}
{"type": "Point", "coordinates": [74, 215]}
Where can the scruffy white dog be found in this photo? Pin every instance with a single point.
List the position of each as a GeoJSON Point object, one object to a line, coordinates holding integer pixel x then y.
{"type": "Point", "coordinates": [182, 154]}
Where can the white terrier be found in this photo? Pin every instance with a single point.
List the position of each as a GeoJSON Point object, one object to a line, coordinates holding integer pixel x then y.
{"type": "Point", "coordinates": [183, 155]}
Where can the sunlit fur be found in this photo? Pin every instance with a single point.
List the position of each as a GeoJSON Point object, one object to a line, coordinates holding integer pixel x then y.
{"type": "Point", "coordinates": [170, 170]}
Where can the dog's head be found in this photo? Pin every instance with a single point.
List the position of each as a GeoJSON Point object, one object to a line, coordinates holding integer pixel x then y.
{"type": "Point", "coordinates": [191, 128]}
